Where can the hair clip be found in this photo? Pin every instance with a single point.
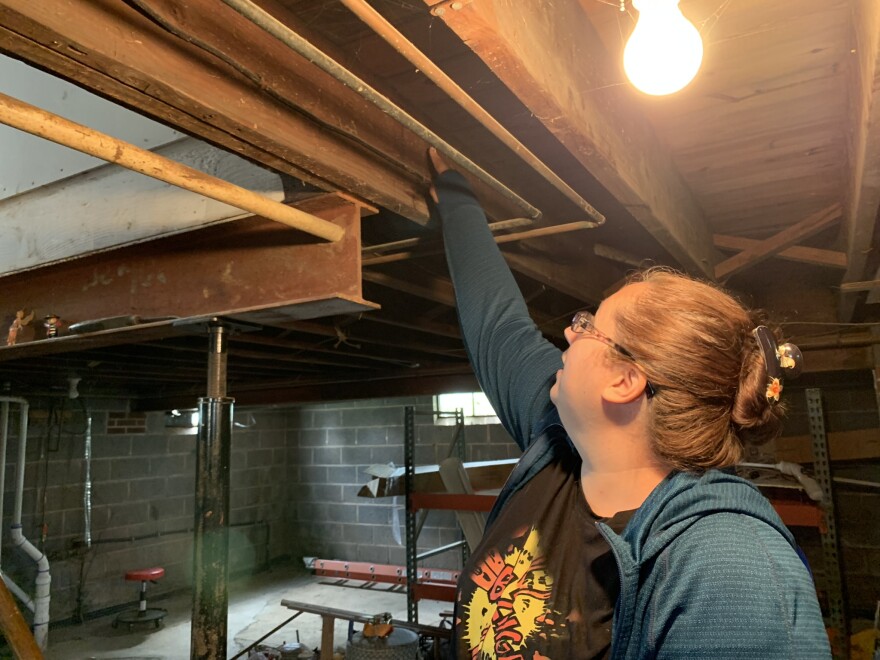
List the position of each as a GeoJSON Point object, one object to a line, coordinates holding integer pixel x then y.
{"type": "Point", "coordinates": [779, 361]}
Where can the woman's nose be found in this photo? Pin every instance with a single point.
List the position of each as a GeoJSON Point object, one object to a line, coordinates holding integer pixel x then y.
{"type": "Point", "coordinates": [570, 335]}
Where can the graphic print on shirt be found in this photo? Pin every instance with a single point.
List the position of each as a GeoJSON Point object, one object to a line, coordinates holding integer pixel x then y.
{"type": "Point", "coordinates": [508, 608]}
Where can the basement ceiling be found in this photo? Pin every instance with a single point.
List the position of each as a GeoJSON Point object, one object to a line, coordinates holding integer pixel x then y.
{"type": "Point", "coordinates": [762, 174]}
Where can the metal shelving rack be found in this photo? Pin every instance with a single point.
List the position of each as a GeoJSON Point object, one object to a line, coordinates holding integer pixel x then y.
{"type": "Point", "coordinates": [830, 542]}
{"type": "Point", "coordinates": [414, 522]}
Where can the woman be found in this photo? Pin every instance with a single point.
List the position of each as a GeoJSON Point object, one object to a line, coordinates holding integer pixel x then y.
{"type": "Point", "coordinates": [615, 536]}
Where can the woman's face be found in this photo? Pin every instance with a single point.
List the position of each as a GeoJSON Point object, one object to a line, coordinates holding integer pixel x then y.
{"type": "Point", "coordinates": [587, 366]}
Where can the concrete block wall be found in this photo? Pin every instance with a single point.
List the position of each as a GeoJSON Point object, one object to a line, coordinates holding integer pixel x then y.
{"type": "Point", "coordinates": [296, 472]}
{"type": "Point", "coordinates": [143, 482]}
{"type": "Point", "coordinates": [333, 446]}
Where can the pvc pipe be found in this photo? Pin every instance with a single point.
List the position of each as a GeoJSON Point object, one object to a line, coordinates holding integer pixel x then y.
{"type": "Point", "coordinates": [15, 629]}
{"type": "Point", "coordinates": [18, 592]}
{"type": "Point", "coordinates": [35, 121]}
{"type": "Point", "coordinates": [43, 580]}
{"type": "Point", "coordinates": [426, 66]}
{"type": "Point", "coordinates": [296, 43]}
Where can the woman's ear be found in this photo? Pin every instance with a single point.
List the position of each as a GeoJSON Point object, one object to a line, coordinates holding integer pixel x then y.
{"type": "Point", "coordinates": [627, 384]}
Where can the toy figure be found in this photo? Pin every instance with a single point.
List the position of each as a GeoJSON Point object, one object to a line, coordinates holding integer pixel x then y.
{"type": "Point", "coordinates": [52, 323]}
{"type": "Point", "coordinates": [18, 323]}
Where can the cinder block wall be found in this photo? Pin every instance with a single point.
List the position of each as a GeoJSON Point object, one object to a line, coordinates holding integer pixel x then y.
{"type": "Point", "coordinates": [142, 496]}
{"type": "Point", "coordinates": [296, 472]}
{"type": "Point", "coordinates": [335, 443]}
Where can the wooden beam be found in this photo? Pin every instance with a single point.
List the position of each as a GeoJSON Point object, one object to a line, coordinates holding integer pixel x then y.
{"type": "Point", "coordinates": [863, 168]}
{"type": "Point", "coordinates": [249, 270]}
{"type": "Point", "coordinates": [15, 629]}
{"type": "Point", "coordinates": [569, 88]}
{"type": "Point", "coordinates": [414, 382]}
{"type": "Point", "coordinates": [853, 287]}
{"type": "Point", "coordinates": [286, 113]}
{"type": "Point", "coordinates": [853, 358]}
{"type": "Point", "coordinates": [804, 255]}
{"type": "Point", "coordinates": [571, 280]}
{"type": "Point", "coordinates": [863, 444]}
{"type": "Point", "coordinates": [437, 290]}
{"type": "Point", "coordinates": [436, 247]}
{"type": "Point", "coordinates": [346, 335]}
{"type": "Point", "coordinates": [786, 238]}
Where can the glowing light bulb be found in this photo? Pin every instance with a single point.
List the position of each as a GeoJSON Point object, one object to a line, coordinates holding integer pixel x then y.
{"type": "Point", "coordinates": [665, 50]}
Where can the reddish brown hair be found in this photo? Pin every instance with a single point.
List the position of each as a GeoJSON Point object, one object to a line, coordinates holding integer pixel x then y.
{"type": "Point", "coordinates": [695, 344]}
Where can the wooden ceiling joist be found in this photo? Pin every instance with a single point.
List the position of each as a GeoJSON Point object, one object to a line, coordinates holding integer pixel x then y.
{"type": "Point", "coordinates": [570, 90]}
{"type": "Point", "coordinates": [778, 242]}
{"type": "Point", "coordinates": [863, 199]}
{"type": "Point", "coordinates": [801, 254]}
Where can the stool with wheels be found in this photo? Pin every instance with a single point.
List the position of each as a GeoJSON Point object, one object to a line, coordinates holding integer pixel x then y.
{"type": "Point", "coordinates": [142, 614]}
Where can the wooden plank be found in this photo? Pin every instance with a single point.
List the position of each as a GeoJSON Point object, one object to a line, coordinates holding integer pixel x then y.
{"type": "Point", "coordinates": [852, 287]}
{"type": "Point", "coordinates": [778, 242]}
{"type": "Point", "coordinates": [284, 106]}
{"type": "Point", "coordinates": [863, 199]}
{"type": "Point", "coordinates": [858, 445]}
{"type": "Point", "coordinates": [805, 255]}
{"type": "Point", "coordinates": [412, 382]}
{"type": "Point", "coordinates": [437, 290]}
{"type": "Point", "coordinates": [567, 278]}
{"type": "Point", "coordinates": [15, 629]}
{"type": "Point", "coordinates": [568, 88]}
{"type": "Point", "coordinates": [110, 206]}
{"type": "Point", "coordinates": [855, 358]}
{"type": "Point", "coordinates": [241, 270]}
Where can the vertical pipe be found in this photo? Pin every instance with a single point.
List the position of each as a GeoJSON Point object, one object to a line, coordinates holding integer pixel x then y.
{"type": "Point", "coordinates": [87, 483]}
{"type": "Point", "coordinates": [211, 537]}
{"type": "Point", "coordinates": [43, 581]}
{"type": "Point", "coordinates": [4, 435]}
{"type": "Point", "coordinates": [217, 355]}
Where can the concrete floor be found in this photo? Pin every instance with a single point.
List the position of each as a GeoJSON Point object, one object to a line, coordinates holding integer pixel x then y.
{"type": "Point", "coordinates": [254, 609]}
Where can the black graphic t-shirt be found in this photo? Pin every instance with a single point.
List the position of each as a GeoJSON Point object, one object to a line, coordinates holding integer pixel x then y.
{"type": "Point", "coordinates": [542, 583]}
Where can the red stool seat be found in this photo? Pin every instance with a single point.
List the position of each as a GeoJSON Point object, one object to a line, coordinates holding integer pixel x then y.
{"type": "Point", "coordinates": [145, 574]}
{"type": "Point", "coordinates": [142, 614]}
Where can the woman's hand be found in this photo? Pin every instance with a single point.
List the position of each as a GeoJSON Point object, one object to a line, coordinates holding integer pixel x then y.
{"type": "Point", "coordinates": [438, 164]}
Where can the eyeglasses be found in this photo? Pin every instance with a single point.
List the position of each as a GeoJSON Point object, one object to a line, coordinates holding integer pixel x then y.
{"type": "Point", "coordinates": [584, 323]}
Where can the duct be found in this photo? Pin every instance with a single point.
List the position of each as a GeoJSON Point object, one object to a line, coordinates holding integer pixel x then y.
{"type": "Point", "coordinates": [427, 67]}
{"type": "Point", "coordinates": [296, 43]}
{"type": "Point", "coordinates": [87, 484]}
{"type": "Point", "coordinates": [43, 580]}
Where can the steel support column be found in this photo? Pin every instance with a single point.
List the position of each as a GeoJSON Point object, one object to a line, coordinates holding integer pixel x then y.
{"type": "Point", "coordinates": [211, 540]}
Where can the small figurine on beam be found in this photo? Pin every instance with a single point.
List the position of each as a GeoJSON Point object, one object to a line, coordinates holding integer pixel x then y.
{"type": "Point", "coordinates": [18, 324]}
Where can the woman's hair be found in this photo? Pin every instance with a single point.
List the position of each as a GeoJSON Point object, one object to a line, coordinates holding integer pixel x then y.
{"type": "Point", "coordinates": [695, 343]}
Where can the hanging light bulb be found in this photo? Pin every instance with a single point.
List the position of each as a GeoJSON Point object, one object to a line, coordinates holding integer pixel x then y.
{"type": "Point", "coordinates": [665, 50]}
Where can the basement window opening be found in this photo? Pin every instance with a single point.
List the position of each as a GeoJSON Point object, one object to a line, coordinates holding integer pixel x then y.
{"type": "Point", "coordinates": [474, 406]}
